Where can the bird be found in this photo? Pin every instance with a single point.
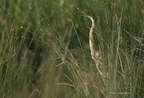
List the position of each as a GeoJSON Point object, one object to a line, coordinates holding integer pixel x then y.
{"type": "Point", "coordinates": [94, 45]}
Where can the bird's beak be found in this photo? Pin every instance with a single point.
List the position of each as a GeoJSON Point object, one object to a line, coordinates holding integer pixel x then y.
{"type": "Point", "coordinates": [82, 14]}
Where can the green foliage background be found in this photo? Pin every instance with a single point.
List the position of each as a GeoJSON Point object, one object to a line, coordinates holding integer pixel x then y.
{"type": "Point", "coordinates": [44, 51]}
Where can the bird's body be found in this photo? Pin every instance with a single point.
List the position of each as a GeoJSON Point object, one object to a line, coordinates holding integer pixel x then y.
{"type": "Point", "coordinates": [94, 46]}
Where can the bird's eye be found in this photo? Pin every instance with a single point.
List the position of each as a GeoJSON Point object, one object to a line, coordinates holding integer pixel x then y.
{"type": "Point", "coordinates": [88, 13]}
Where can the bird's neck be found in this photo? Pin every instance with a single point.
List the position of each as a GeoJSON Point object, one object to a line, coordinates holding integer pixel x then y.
{"type": "Point", "coordinates": [92, 32]}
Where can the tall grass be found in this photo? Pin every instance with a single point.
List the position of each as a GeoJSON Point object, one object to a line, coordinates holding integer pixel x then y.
{"type": "Point", "coordinates": [44, 51]}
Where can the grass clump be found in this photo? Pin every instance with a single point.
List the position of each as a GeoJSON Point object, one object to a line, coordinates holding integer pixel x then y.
{"type": "Point", "coordinates": [44, 51]}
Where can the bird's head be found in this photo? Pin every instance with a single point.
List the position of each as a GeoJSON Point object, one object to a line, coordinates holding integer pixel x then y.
{"type": "Point", "coordinates": [88, 14]}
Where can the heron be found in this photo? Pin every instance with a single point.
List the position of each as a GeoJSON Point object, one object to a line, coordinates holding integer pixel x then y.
{"type": "Point", "coordinates": [94, 45]}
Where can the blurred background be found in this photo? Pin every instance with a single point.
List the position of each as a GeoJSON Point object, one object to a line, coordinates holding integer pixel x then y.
{"type": "Point", "coordinates": [44, 49]}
